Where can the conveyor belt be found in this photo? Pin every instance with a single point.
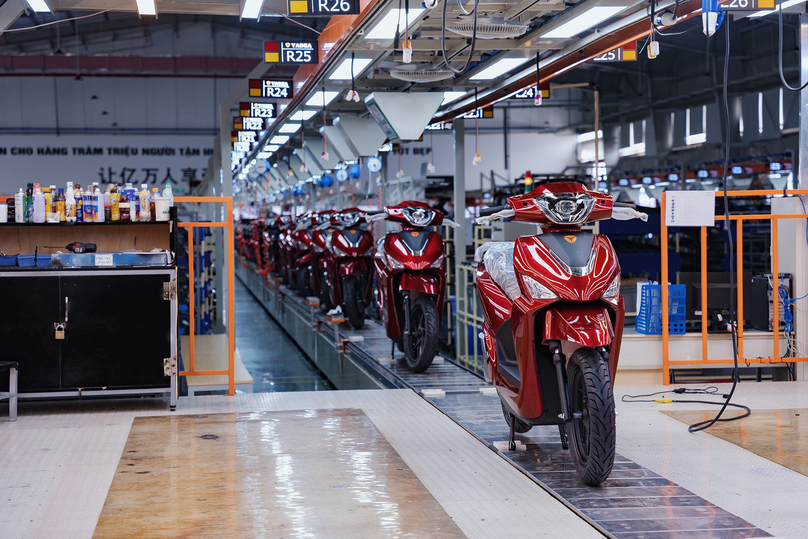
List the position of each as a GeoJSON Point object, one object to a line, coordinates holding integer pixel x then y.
{"type": "Point", "coordinates": [633, 503]}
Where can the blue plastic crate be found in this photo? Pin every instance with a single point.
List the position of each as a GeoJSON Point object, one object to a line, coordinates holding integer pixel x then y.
{"type": "Point", "coordinates": [649, 318]}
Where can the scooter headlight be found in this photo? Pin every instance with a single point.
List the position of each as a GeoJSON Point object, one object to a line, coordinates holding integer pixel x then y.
{"type": "Point", "coordinates": [536, 289]}
{"type": "Point", "coordinates": [613, 290]}
{"type": "Point", "coordinates": [437, 263]}
{"type": "Point", "coordinates": [566, 208]}
{"type": "Point", "coordinates": [392, 263]}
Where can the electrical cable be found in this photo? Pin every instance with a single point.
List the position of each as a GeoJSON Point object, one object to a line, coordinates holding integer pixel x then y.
{"type": "Point", "coordinates": [780, 50]}
{"type": "Point", "coordinates": [712, 390]}
{"type": "Point", "coordinates": [658, 30]}
{"type": "Point", "coordinates": [703, 425]}
{"type": "Point", "coordinates": [473, 40]}
{"type": "Point", "coordinates": [463, 9]}
{"type": "Point", "coordinates": [59, 21]}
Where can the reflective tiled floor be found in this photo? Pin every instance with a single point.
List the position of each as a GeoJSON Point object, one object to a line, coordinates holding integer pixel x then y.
{"type": "Point", "coordinates": [273, 360]}
{"type": "Point", "coordinates": [310, 473]}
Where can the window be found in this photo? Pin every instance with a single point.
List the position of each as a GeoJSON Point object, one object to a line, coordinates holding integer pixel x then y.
{"type": "Point", "coordinates": [695, 133]}
{"type": "Point", "coordinates": [636, 140]}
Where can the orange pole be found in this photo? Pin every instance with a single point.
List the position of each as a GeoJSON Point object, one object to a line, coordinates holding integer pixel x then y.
{"type": "Point", "coordinates": [191, 299]}
{"type": "Point", "coordinates": [203, 224]}
{"type": "Point", "coordinates": [739, 269]}
{"type": "Point", "coordinates": [704, 354]}
{"type": "Point", "coordinates": [231, 291]}
{"type": "Point", "coordinates": [761, 216]}
{"type": "Point", "coordinates": [776, 287]}
{"type": "Point", "coordinates": [663, 237]}
{"type": "Point", "coordinates": [202, 373]}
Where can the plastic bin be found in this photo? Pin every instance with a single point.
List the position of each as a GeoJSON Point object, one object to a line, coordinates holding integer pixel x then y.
{"type": "Point", "coordinates": [8, 260]}
{"type": "Point", "coordinates": [29, 261]}
{"type": "Point", "coordinates": [649, 318]}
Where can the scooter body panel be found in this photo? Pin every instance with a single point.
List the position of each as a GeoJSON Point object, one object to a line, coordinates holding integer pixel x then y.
{"type": "Point", "coordinates": [349, 252]}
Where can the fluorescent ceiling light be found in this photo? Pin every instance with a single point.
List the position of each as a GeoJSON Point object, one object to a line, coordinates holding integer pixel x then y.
{"type": "Point", "coordinates": [289, 128]}
{"type": "Point", "coordinates": [586, 137]}
{"type": "Point", "coordinates": [251, 9]}
{"type": "Point", "coordinates": [451, 96]}
{"type": "Point", "coordinates": [41, 7]}
{"type": "Point", "coordinates": [582, 22]}
{"type": "Point", "coordinates": [264, 155]}
{"type": "Point", "coordinates": [146, 7]}
{"type": "Point", "coordinates": [272, 148]}
{"type": "Point", "coordinates": [302, 115]}
{"type": "Point", "coordinates": [763, 13]}
{"type": "Point", "coordinates": [279, 139]}
{"type": "Point", "coordinates": [317, 99]}
{"type": "Point", "coordinates": [343, 71]}
{"type": "Point", "coordinates": [386, 28]}
{"type": "Point", "coordinates": [498, 68]}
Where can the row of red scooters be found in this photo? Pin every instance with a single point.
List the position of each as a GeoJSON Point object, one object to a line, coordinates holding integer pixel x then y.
{"type": "Point", "coordinates": [332, 255]}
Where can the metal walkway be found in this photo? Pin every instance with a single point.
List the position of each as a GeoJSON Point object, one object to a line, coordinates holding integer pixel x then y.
{"type": "Point", "coordinates": [633, 503]}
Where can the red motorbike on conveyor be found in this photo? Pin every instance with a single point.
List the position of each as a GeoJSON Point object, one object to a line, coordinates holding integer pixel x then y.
{"type": "Point", "coordinates": [554, 320]}
{"type": "Point", "coordinates": [348, 264]}
{"type": "Point", "coordinates": [412, 280]}
{"type": "Point", "coordinates": [270, 242]}
{"type": "Point", "coordinates": [317, 251]}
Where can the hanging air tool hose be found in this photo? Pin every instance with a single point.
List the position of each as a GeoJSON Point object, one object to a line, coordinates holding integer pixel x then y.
{"type": "Point", "coordinates": [473, 38]}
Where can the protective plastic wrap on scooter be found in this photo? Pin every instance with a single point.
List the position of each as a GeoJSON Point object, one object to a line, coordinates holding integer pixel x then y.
{"type": "Point", "coordinates": [498, 260]}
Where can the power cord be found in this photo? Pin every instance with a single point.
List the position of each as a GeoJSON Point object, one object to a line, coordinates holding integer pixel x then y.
{"type": "Point", "coordinates": [703, 425]}
{"type": "Point", "coordinates": [780, 50]}
{"type": "Point", "coordinates": [448, 62]}
{"type": "Point", "coordinates": [712, 390]}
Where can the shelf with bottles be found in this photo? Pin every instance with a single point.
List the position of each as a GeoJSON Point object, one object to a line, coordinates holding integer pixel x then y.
{"type": "Point", "coordinates": [40, 205]}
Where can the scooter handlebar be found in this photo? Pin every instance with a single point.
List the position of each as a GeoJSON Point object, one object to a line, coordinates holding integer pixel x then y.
{"type": "Point", "coordinates": [491, 210]}
{"type": "Point", "coordinates": [624, 205]}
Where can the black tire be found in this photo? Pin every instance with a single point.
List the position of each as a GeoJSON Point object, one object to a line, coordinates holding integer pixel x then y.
{"type": "Point", "coordinates": [400, 345]}
{"type": "Point", "coordinates": [421, 346]}
{"type": "Point", "coordinates": [303, 281]}
{"type": "Point", "coordinates": [353, 303]}
{"type": "Point", "coordinates": [519, 426]}
{"type": "Point", "coordinates": [325, 296]}
{"type": "Point", "coordinates": [592, 434]}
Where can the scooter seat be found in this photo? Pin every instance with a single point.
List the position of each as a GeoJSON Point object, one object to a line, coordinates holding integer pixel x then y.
{"type": "Point", "coordinates": [498, 261]}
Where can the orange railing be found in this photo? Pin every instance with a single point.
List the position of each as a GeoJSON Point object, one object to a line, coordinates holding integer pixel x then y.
{"type": "Point", "coordinates": [229, 249]}
{"type": "Point", "coordinates": [739, 219]}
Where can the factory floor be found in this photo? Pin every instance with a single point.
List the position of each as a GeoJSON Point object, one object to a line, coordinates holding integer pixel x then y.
{"type": "Point", "coordinates": [273, 360]}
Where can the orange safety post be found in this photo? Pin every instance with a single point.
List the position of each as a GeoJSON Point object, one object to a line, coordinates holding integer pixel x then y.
{"type": "Point", "coordinates": [663, 238]}
{"type": "Point", "coordinates": [776, 286]}
{"type": "Point", "coordinates": [231, 332]}
{"type": "Point", "coordinates": [739, 285]}
{"type": "Point", "coordinates": [704, 353]}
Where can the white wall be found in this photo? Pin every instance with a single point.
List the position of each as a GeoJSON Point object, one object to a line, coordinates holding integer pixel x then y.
{"type": "Point", "coordinates": [538, 152]}
{"type": "Point", "coordinates": [52, 160]}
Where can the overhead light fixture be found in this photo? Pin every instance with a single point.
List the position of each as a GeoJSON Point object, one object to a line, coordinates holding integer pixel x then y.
{"type": "Point", "coordinates": [343, 71]}
{"type": "Point", "coordinates": [451, 96]}
{"type": "Point", "coordinates": [765, 12]}
{"type": "Point", "coordinates": [272, 148]}
{"type": "Point", "coordinates": [146, 7]}
{"type": "Point", "coordinates": [39, 6]}
{"type": "Point", "coordinates": [289, 128]}
{"type": "Point", "coordinates": [317, 99]}
{"type": "Point", "coordinates": [386, 28]}
{"type": "Point", "coordinates": [498, 68]}
{"type": "Point", "coordinates": [251, 9]}
{"type": "Point", "coordinates": [302, 115]}
{"type": "Point", "coordinates": [582, 22]}
{"type": "Point", "coordinates": [586, 137]}
{"type": "Point", "coordinates": [264, 155]}
{"type": "Point", "coordinates": [279, 139]}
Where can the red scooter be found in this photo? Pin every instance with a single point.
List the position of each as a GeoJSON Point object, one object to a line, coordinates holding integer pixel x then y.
{"type": "Point", "coordinates": [412, 280]}
{"type": "Point", "coordinates": [554, 320]}
{"type": "Point", "coordinates": [300, 257]}
{"type": "Point", "coordinates": [317, 251]}
{"type": "Point", "coordinates": [270, 242]}
{"type": "Point", "coordinates": [286, 252]}
{"type": "Point", "coordinates": [348, 264]}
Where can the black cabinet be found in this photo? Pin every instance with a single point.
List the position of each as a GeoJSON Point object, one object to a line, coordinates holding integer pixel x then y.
{"type": "Point", "coordinates": [118, 328]}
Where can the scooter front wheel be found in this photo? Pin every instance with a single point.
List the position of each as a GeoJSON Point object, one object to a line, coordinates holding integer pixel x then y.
{"type": "Point", "coordinates": [353, 303]}
{"type": "Point", "coordinates": [592, 429]}
{"type": "Point", "coordinates": [421, 345]}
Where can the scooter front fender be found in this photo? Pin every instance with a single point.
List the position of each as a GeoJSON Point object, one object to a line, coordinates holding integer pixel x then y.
{"type": "Point", "coordinates": [587, 325]}
{"type": "Point", "coordinates": [428, 284]}
{"type": "Point", "coordinates": [349, 267]}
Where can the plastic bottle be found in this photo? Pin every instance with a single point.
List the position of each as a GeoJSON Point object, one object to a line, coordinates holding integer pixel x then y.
{"type": "Point", "coordinates": [168, 193]}
{"type": "Point", "coordinates": [39, 206]}
{"type": "Point", "coordinates": [155, 194]}
{"type": "Point", "coordinates": [29, 203]}
{"type": "Point", "coordinates": [78, 195]}
{"type": "Point", "coordinates": [60, 205]}
{"type": "Point", "coordinates": [124, 207]}
{"type": "Point", "coordinates": [19, 206]}
{"type": "Point", "coordinates": [107, 194]}
{"type": "Point", "coordinates": [98, 198]}
{"type": "Point", "coordinates": [46, 192]}
{"type": "Point", "coordinates": [89, 205]}
{"type": "Point", "coordinates": [70, 204]}
{"type": "Point", "coordinates": [131, 194]}
{"type": "Point", "coordinates": [143, 211]}
{"type": "Point", "coordinates": [114, 204]}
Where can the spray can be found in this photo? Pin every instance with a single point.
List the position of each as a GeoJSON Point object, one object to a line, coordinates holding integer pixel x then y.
{"type": "Point", "coordinates": [70, 204]}
{"type": "Point", "coordinates": [39, 206]}
{"type": "Point", "coordinates": [60, 205]}
{"type": "Point", "coordinates": [19, 207]}
{"type": "Point", "coordinates": [29, 203]}
{"type": "Point", "coordinates": [77, 194]}
{"type": "Point", "coordinates": [114, 204]}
